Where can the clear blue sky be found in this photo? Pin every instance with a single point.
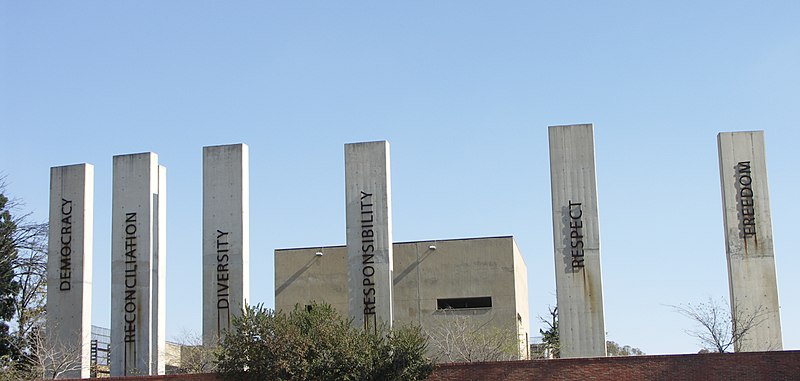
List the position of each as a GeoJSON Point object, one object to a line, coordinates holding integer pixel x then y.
{"type": "Point", "coordinates": [463, 90]}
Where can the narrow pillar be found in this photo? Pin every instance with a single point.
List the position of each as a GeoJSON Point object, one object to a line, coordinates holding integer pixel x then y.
{"type": "Point", "coordinates": [69, 264]}
{"type": "Point", "coordinates": [138, 261]}
{"type": "Point", "coordinates": [159, 277]}
{"type": "Point", "coordinates": [748, 240]}
{"type": "Point", "coordinates": [226, 237]}
{"type": "Point", "coordinates": [369, 233]}
{"type": "Point", "coordinates": [576, 240]}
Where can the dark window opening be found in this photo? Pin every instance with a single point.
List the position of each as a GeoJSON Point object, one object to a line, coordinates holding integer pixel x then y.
{"type": "Point", "coordinates": [460, 303]}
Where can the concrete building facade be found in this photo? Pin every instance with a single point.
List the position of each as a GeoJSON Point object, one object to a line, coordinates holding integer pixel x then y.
{"type": "Point", "coordinates": [484, 278]}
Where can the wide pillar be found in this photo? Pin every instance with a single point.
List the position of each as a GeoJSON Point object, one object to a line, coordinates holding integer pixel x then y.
{"type": "Point", "coordinates": [69, 264]}
{"type": "Point", "coordinates": [138, 265]}
{"type": "Point", "coordinates": [226, 237]}
{"type": "Point", "coordinates": [748, 240]}
{"type": "Point", "coordinates": [576, 240]}
{"type": "Point", "coordinates": [369, 234]}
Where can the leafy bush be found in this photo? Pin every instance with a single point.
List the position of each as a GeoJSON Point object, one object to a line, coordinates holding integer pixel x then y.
{"type": "Point", "coordinates": [317, 343]}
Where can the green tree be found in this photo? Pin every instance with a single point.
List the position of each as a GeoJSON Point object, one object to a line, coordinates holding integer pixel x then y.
{"type": "Point", "coordinates": [23, 286]}
{"type": "Point", "coordinates": [615, 349]}
{"type": "Point", "coordinates": [550, 336]}
{"type": "Point", "coordinates": [317, 343]}
{"type": "Point", "coordinates": [9, 287]}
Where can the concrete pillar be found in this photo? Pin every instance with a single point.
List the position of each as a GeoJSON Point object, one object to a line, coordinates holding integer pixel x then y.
{"type": "Point", "coordinates": [69, 264]}
{"type": "Point", "coordinates": [748, 239]}
{"type": "Point", "coordinates": [576, 240]}
{"type": "Point", "coordinates": [138, 259]}
{"type": "Point", "coordinates": [369, 233]}
{"type": "Point", "coordinates": [226, 236]}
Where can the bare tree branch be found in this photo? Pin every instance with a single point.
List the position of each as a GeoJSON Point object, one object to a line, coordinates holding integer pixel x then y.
{"type": "Point", "coordinates": [719, 331]}
{"type": "Point", "coordinates": [194, 356]}
{"type": "Point", "coordinates": [459, 338]}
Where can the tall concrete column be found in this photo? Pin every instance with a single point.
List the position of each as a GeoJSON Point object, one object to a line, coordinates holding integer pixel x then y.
{"type": "Point", "coordinates": [748, 239]}
{"type": "Point", "coordinates": [576, 240]}
{"type": "Point", "coordinates": [138, 259]}
{"type": "Point", "coordinates": [69, 263]}
{"type": "Point", "coordinates": [369, 233]}
{"type": "Point", "coordinates": [226, 236]}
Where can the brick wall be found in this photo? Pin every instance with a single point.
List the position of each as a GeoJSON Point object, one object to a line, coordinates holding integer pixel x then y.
{"type": "Point", "coordinates": [713, 366]}
{"type": "Point", "coordinates": [767, 366]}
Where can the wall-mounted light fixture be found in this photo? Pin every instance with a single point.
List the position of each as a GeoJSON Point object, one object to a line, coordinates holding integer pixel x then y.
{"type": "Point", "coordinates": [319, 253]}
{"type": "Point", "coordinates": [432, 247]}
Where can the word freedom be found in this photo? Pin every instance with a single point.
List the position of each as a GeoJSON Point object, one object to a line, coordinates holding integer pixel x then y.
{"type": "Point", "coordinates": [746, 199]}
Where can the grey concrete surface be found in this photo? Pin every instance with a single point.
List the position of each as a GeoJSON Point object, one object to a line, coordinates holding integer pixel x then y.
{"type": "Point", "coordinates": [226, 236]}
{"type": "Point", "coordinates": [748, 238]}
{"type": "Point", "coordinates": [138, 258]}
{"type": "Point", "coordinates": [576, 240]}
{"type": "Point", "coordinates": [368, 197]}
{"type": "Point", "coordinates": [69, 264]}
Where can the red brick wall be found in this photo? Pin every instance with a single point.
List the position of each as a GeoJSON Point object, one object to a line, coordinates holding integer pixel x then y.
{"type": "Point", "coordinates": [726, 366]}
{"type": "Point", "coordinates": [768, 366]}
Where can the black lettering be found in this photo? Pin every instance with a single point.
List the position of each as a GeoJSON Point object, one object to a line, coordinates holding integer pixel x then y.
{"type": "Point", "coordinates": [746, 199]}
{"type": "Point", "coordinates": [744, 167]}
{"type": "Point", "coordinates": [65, 268]}
{"type": "Point", "coordinates": [368, 271]}
{"type": "Point", "coordinates": [64, 204]}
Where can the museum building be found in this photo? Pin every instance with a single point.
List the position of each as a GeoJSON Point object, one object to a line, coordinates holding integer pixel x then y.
{"type": "Point", "coordinates": [482, 278]}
